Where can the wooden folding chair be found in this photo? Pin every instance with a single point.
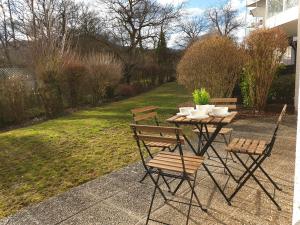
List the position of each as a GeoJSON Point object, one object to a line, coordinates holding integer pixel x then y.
{"type": "Point", "coordinates": [225, 132]}
{"type": "Point", "coordinates": [258, 151]}
{"type": "Point", "coordinates": [168, 164]}
{"type": "Point", "coordinates": [148, 115]}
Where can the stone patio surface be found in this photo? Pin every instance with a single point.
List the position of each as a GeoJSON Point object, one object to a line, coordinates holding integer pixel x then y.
{"type": "Point", "coordinates": [118, 198]}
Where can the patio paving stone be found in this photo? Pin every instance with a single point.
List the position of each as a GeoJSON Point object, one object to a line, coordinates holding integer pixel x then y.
{"type": "Point", "coordinates": [118, 198]}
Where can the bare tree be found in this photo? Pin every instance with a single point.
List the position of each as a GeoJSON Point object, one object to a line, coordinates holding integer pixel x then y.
{"type": "Point", "coordinates": [137, 21]}
{"type": "Point", "coordinates": [4, 32]}
{"type": "Point", "coordinates": [224, 19]}
{"type": "Point", "coordinates": [192, 28]}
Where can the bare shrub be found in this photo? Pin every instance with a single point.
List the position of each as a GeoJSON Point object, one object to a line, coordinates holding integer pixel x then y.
{"type": "Point", "coordinates": [47, 67]}
{"type": "Point", "coordinates": [72, 77]}
{"type": "Point", "coordinates": [103, 71]}
{"type": "Point", "coordinates": [265, 48]}
{"type": "Point", "coordinates": [12, 99]}
{"type": "Point", "coordinates": [126, 90]}
{"type": "Point", "coordinates": [214, 63]}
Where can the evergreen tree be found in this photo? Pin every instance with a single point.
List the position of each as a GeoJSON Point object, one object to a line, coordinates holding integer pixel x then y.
{"type": "Point", "coordinates": [161, 49]}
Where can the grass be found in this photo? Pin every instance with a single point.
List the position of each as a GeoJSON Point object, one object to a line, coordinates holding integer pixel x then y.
{"type": "Point", "coordinates": [43, 160]}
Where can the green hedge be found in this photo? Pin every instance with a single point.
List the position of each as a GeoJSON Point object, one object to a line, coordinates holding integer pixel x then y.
{"type": "Point", "coordinates": [282, 89]}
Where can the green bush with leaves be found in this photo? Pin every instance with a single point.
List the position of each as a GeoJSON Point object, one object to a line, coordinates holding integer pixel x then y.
{"type": "Point", "coordinates": [201, 97]}
{"type": "Point", "coordinates": [282, 89]}
{"type": "Point", "coordinates": [245, 85]}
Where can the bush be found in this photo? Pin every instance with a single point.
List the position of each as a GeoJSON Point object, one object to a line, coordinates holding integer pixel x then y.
{"type": "Point", "coordinates": [145, 71]}
{"type": "Point", "coordinates": [47, 65]}
{"type": "Point", "coordinates": [245, 88]}
{"type": "Point", "coordinates": [265, 48]}
{"type": "Point", "coordinates": [12, 99]}
{"type": "Point", "coordinates": [282, 89]}
{"type": "Point", "coordinates": [214, 63]}
{"type": "Point", "coordinates": [73, 76]}
{"type": "Point", "coordinates": [103, 71]}
{"type": "Point", "coordinates": [126, 90]}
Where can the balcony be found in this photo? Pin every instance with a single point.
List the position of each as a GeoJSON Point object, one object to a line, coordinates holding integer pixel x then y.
{"type": "Point", "coordinates": [255, 3]}
{"type": "Point", "coordinates": [278, 6]}
{"type": "Point", "coordinates": [284, 14]}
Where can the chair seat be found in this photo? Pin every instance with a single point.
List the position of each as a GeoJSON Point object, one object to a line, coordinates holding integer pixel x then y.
{"type": "Point", "coordinates": [247, 146]}
{"type": "Point", "coordinates": [171, 161]}
{"type": "Point", "coordinates": [211, 129]}
{"type": "Point", "coordinates": [158, 144]}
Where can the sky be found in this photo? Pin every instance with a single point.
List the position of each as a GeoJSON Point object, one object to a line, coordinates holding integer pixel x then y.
{"type": "Point", "coordinates": [197, 7]}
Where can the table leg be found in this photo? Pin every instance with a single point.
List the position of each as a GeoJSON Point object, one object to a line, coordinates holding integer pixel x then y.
{"type": "Point", "coordinates": [188, 141]}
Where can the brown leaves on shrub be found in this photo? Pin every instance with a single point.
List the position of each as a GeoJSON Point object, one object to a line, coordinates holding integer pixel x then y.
{"type": "Point", "coordinates": [103, 71]}
{"type": "Point", "coordinates": [12, 98]}
{"type": "Point", "coordinates": [48, 67]}
{"type": "Point", "coordinates": [72, 77]}
{"type": "Point", "coordinates": [265, 48]}
{"type": "Point", "coordinates": [213, 63]}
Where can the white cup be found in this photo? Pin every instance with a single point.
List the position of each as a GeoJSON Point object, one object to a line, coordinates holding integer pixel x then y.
{"type": "Point", "coordinates": [220, 111]}
{"type": "Point", "coordinates": [186, 110]}
{"type": "Point", "coordinates": [197, 113]}
{"type": "Point", "coordinates": [206, 108]}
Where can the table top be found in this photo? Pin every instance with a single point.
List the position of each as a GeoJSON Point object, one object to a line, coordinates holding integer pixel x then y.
{"type": "Point", "coordinates": [210, 120]}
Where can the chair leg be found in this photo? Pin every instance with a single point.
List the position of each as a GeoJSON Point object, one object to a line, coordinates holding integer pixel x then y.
{"type": "Point", "coordinates": [216, 183]}
{"type": "Point", "coordinates": [190, 205]}
{"type": "Point", "coordinates": [178, 186]}
{"type": "Point", "coordinates": [260, 167]}
{"type": "Point", "coordinates": [250, 167]}
{"type": "Point", "coordinates": [157, 186]}
{"type": "Point", "coordinates": [224, 164]}
{"type": "Point", "coordinates": [251, 174]}
{"type": "Point", "coordinates": [193, 193]}
{"type": "Point", "coordinates": [144, 177]}
{"type": "Point", "coordinates": [166, 182]}
{"type": "Point", "coordinates": [173, 150]}
{"type": "Point", "coordinates": [267, 175]}
{"type": "Point", "coordinates": [152, 199]}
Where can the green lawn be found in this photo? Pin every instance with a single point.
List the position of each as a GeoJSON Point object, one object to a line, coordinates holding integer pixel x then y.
{"type": "Point", "coordinates": [43, 160]}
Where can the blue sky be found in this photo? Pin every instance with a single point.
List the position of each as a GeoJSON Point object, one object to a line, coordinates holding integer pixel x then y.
{"type": "Point", "coordinates": [202, 3]}
{"type": "Point", "coordinates": [197, 7]}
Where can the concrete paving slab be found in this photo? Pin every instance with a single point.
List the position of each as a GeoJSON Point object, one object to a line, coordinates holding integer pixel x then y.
{"type": "Point", "coordinates": [102, 213]}
{"type": "Point", "coordinates": [118, 198]}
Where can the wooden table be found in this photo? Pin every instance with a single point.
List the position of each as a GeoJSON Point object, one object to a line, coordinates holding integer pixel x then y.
{"type": "Point", "coordinates": [201, 124]}
{"type": "Point", "coordinates": [218, 122]}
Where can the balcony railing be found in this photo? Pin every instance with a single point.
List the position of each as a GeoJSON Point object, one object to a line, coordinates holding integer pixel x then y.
{"type": "Point", "coordinates": [278, 6]}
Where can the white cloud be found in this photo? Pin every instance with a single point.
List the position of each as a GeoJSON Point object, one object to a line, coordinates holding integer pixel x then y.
{"type": "Point", "coordinates": [193, 11]}
{"type": "Point", "coordinates": [238, 4]}
{"type": "Point", "coordinates": [172, 2]}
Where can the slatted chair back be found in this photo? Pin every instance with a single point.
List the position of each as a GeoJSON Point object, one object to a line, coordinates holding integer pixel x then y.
{"type": "Point", "coordinates": [144, 133]}
{"type": "Point", "coordinates": [225, 102]}
{"type": "Point", "coordinates": [145, 114]}
{"type": "Point", "coordinates": [282, 114]}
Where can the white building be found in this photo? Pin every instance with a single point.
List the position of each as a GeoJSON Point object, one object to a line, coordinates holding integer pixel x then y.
{"type": "Point", "coordinates": [278, 13]}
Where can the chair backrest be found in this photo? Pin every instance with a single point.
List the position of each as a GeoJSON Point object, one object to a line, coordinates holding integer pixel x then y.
{"type": "Point", "coordinates": [226, 102]}
{"type": "Point", "coordinates": [282, 114]}
{"type": "Point", "coordinates": [145, 133]}
{"type": "Point", "coordinates": [145, 113]}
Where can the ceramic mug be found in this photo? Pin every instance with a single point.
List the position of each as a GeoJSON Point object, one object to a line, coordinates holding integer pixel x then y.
{"type": "Point", "coordinates": [185, 110]}
{"type": "Point", "coordinates": [220, 111]}
{"type": "Point", "coordinates": [207, 108]}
